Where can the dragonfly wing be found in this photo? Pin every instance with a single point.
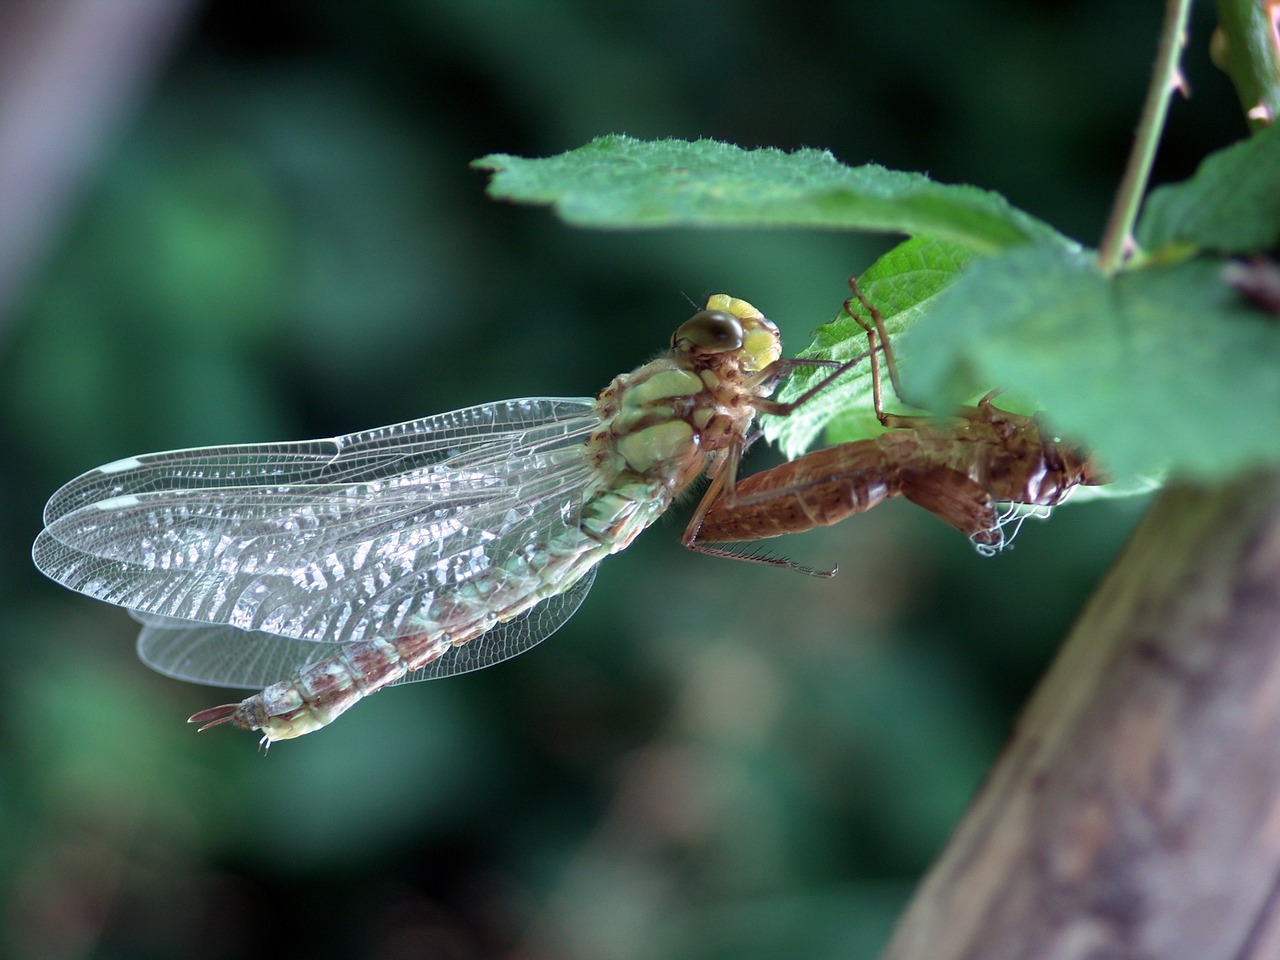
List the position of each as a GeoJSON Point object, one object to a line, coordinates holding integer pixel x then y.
{"type": "Point", "coordinates": [222, 656]}
{"type": "Point", "coordinates": [383, 452]}
{"type": "Point", "coordinates": [506, 640]}
{"type": "Point", "coordinates": [226, 657]}
{"type": "Point", "coordinates": [330, 541]}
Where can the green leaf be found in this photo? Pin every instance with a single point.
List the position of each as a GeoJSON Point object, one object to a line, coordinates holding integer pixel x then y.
{"type": "Point", "coordinates": [617, 181]}
{"type": "Point", "coordinates": [1163, 368]}
{"type": "Point", "coordinates": [1231, 204]}
{"type": "Point", "coordinates": [901, 285]}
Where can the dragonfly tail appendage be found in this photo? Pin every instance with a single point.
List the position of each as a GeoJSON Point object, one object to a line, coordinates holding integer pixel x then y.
{"type": "Point", "coordinates": [214, 716]}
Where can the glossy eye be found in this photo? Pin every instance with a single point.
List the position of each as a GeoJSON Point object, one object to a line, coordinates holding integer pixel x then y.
{"type": "Point", "coordinates": [711, 331]}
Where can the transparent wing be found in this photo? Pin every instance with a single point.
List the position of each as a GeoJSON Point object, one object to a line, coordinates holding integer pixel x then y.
{"type": "Point", "coordinates": [327, 540]}
{"type": "Point", "coordinates": [226, 657]}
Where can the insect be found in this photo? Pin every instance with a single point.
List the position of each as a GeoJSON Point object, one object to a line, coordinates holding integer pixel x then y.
{"type": "Point", "coordinates": [961, 469]}
{"type": "Point", "coordinates": [325, 570]}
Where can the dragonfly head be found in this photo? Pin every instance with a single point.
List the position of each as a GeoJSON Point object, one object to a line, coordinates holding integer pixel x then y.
{"type": "Point", "coordinates": [730, 325]}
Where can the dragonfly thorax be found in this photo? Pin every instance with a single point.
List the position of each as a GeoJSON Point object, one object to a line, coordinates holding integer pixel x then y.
{"type": "Point", "coordinates": [663, 421]}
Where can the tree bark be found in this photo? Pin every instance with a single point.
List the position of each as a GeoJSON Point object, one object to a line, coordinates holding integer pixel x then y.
{"type": "Point", "coordinates": [1136, 811]}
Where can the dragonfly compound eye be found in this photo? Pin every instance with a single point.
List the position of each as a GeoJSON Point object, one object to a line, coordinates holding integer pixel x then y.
{"type": "Point", "coordinates": [711, 331]}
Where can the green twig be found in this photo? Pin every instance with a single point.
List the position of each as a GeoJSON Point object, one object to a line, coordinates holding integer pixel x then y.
{"type": "Point", "coordinates": [1165, 78]}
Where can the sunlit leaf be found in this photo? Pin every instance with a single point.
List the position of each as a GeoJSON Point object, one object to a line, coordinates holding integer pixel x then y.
{"type": "Point", "coordinates": [901, 285]}
{"type": "Point", "coordinates": [617, 181]}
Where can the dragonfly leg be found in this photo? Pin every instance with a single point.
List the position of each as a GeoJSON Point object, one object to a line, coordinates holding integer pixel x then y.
{"type": "Point", "coordinates": [783, 563]}
{"type": "Point", "coordinates": [722, 494]}
{"type": "Point", "coordinates": [839, 368]}
{"type": "Point", "coordinates": [780, 409]}
{"type": "Point", "coordinates": [874, 328]}
{"type": "Point", "coordinates": [878, 338]}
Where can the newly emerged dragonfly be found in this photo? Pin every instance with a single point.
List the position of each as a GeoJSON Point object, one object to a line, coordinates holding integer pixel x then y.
{"type": "Point", "coordinates": [328, 569]}
{"type": "Point", "coordinates": [960, 468]}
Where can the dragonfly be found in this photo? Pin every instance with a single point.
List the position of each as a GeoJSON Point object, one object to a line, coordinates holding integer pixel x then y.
{"type": "Point", "coordinates": [978, 470]}
{"type": "Point", "coordinates": [325, 570]}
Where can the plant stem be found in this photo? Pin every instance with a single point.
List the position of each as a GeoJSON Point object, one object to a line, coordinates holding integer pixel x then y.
{"type": "Point", "coordinates": [1165, 78]}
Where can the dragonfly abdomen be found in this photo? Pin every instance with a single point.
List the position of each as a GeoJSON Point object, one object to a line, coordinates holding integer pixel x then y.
{"type": "Point", "coordinates": [316, 695]}
{"type": "Point", "coordinates": [320, 693]}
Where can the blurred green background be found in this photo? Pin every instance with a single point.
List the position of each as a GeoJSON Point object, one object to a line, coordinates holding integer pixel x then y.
{"type": "Point", "coordinates": [273, 233]}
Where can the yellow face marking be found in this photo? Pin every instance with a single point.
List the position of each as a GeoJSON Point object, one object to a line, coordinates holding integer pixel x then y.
{"type": "Point", "coordinates": [761, 344]}
{"type": "Point", "coordinates": [763, 347]}
{"type": "Point", "coordinates": [739, 308]}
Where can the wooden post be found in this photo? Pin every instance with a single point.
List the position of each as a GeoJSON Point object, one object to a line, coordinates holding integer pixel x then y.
{"type": "Point", "coordinates": [1136, 811]}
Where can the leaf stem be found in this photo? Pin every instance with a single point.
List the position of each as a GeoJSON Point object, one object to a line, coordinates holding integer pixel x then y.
{"type": "Point", "coordinates": [1165, 78]}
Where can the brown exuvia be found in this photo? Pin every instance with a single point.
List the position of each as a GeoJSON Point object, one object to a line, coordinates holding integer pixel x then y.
{"type": "Point", "coordinates": [959, 468]}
